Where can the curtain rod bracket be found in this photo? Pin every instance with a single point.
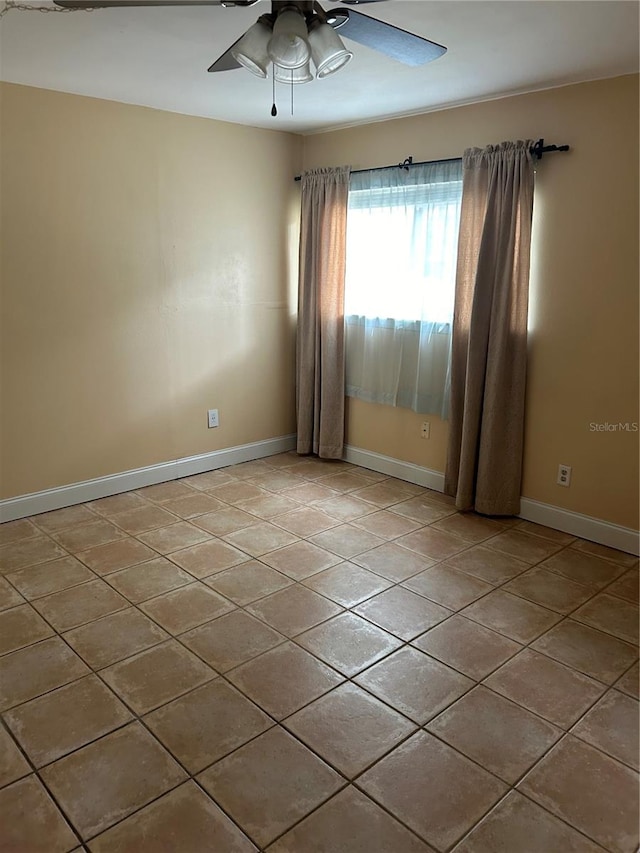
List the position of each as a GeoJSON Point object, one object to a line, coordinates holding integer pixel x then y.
{"type": "Point", "coordinates": [406, 163]}
{"type": "Point", "coordinates": [540, 148]}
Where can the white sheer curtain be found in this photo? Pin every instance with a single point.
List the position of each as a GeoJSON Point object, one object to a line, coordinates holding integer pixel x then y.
{"type": "Point", "coordinates": [402, 236]}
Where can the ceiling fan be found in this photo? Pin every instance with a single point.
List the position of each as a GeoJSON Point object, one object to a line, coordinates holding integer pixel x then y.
{"type": "Point", "coordinates": [297, 33]}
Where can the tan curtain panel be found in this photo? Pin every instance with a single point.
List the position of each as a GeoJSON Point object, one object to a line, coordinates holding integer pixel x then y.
{"type": "Point", "coordinates": [320, 342]}
{"type": "Point", "coordinates": [489, 349]}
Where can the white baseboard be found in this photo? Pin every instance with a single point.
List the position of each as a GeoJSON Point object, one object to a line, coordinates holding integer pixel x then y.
{"type": "Point", "coordinates": [395, 468]}
{"type": "Point", "coordinates": [114, 484]}
{"type": "Point", "coordinates": [584, 526]}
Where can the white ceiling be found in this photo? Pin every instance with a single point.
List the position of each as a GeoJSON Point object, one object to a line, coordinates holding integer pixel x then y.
{"type": "Point", "coordinates": [158, 57]}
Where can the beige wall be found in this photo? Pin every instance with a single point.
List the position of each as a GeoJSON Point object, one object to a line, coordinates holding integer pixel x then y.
{"type": "Point", "coordinates": [145, 278]}
{"type": "Point", "coordinates": [584, 288]}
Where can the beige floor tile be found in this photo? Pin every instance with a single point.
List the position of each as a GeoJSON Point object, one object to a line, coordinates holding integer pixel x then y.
{"type": "Point", "coordinates": [386, 524]}
{"type": "Point", "coordinates": [46, 578]}
{"type": "Point", "coordinates": [80, 604]}
{"type": "Point", "coordinates": [349, 728]}
{"type": "Point", "coordinates": [82, 537]}
{"type": "Point", "coordinates": [247, 470]}
{"type": "Point", "coordinates": [345, 481]}
{"type": "Point", "coordinates": [300, 560]}
{"type": "Point", "coordinates": [207, 724]}
{"type": "Point", "coordinates": [523, 546]}
{"type": "Point", "coordinates": [612, 726]}
{"type": "Point", "coordinates": [467, 525]}
{"type": "Point", "coordinates": [231, 640]}
{"type": "Point", "coordinates": [402, 612]}
{"type": "Point", "coordinates": [590, 651]}
{"type": "Point", "coordinates": [349, 823]}
{"type": "Point", "coordinates": [28, 552]}
{"type": "Point", "coordinates": [313, 468]}
{"type": "Point", "coordinates": [12, 531]}
{"type": "Point", "coordinates": [209, 480]}
{"type": "Point", "coordinates": [269, 784]}
{"type": "Point", "coordinates": [260, 538]}
{"type": "Point", "coordinates": [311, 493]}
{"type": "Point", "coordinates": [546, 532]}
{"type": "Point", "coordinates": [305, 521]}
{"type": "Point", "coordinates": [488, 565]}
{"type": "Point", "coordinates": [164, 540]}
{"type": "Point", "coordinates": [294, 610]}
{"type": "Point", "coordinates": [208, 558]}
{"type": "Point", "coordinates": [36, 669]}
{"type": "Point", "coordinates": [611, 614]}
{"type": "Point", "coordinates": [284, 679]}
{"type": "Point", "coordinates": [592, 792]}
{"type": "Point", "coordinates": [9, 597]}
{"type": "Point", "coordinates": [149, 517]}
{"type": "Point", "coordinates": [432, 543]}
{"type": "Point", "coordinates": [224, 521]}
{"type": "Point", "coordinates": [423, 509]}
{"type": "Point", "coordinates": [517, 824]}
{"type": "Point", "coordinates": [277, 481]}
{"type": "Point", "coordinates": [268, 505]}
{"type": "Point", "coordinates": [447, 586]}
{"type": "Point", "coordinates": [184, 820]}
{"type": "Point", "coordinates": [116, 555]}
{"type": "Point", "coordinates": [348, 643]}
{"type": "Point", "coordinates": [516, 618]}
{"type": "Point", "coordinates": [549, 590]}
{"type": "Point", "coordinates": [388, 492]}
{"type": "Point", "coordinates": [500, 736]}
{"type": "Point", "coordinates": [629, 682]}
{"type": "Point", "coordinates": [65, 719]}
{"type": "Point", "coordinates": [13, 764]}
{"type": "Point", "coordinates": [193, 505]}
{"type": "Point", "coordinates": [248, 582]}
{"type": "Point", "coordinates": [627, 586]}
{"type": "Point", "coordinates": [187, 607]}
{"type": "Point", "coordinates": [107, 780]}
{"type": "Point", "coordinates": [346, 507]}
{"type": "Point", "coordinates": [115, 504]}
{"type": "Point", "coordinates": [21, 626]}
{"type": "Point", "coordinates": [58, 519]}
{"type": "Point", "coordinates": [31, 822]}
{"type": "Point", "coordinates": [583, 568]}
{"type": "Point", "coordinates": [545, 687]}
{"type": "Point", "coordinates": [393, 562]}
{"type": "Point", "coordinates": [347, 584]}
{"type": "Point", "coordinates": [162, 492]}
{"type": "Point", "coordinates": [115, 637]}
{"type": "Point", "coordinates": [611, 554]}
{"type": "Point", "coordinates": [417, 685]}
{"type": "Point", "coordinates": [347, 541]}
{"type": "Point", "coordinates": [282, 460]}
{"type": "Point", "coordinates": [432, 788]}
{"type": "Point", "coordinates": [466, 646]}
{"type": "Point", "coordinates": [156, 676]}
{"type": "Point", "coordinates": [237, 492]}
{"type": "Point", "coordinates": [146, 580]}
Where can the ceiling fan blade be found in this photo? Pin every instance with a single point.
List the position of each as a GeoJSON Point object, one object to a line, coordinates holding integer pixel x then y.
{"type": "Point", "coordinates": [358, 2]}
{"type": "Point", "coordinates": [226, 62]}
{"type": "Point", "coordinates": [106, 4]}
{"type": "Point", "coordinates": [386, 38]}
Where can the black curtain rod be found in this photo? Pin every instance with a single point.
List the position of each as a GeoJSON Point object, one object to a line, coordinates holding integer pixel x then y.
{"type": "Point", "coordinates": [536, 150]}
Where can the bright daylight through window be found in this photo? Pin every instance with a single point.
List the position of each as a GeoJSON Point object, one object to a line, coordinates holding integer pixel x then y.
{"type": "Point", "coordinates": [402, 238]}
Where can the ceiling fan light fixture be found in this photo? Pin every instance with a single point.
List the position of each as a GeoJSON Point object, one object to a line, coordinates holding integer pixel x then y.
{"type": "Point", "coordinates": [251, 50]}
{"type": "Point", "coordinates": [327, 50]}
{"type": "Point", "coordinates": [303, 74]}
{"type": "Point", "coordinates": [288, 46]}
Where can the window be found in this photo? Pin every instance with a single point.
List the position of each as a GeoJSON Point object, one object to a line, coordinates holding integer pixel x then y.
{"type": "Point", "coordinates": [402, 236]}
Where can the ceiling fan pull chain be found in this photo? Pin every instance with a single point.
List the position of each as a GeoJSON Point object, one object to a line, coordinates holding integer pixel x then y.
{"type": "Point", "coordinates": [292, 91]}
{"type": "Point", "coordinates": [274, 109]}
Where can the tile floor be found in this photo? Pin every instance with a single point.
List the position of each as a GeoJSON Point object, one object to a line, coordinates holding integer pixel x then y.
{"type": "Point", "coordinates": [301, 657]}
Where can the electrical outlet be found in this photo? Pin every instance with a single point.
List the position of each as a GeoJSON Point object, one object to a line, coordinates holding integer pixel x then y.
{"type": "Point", "coordinates": [425, 429]}
{"type": "Point", "coordinates": [212, 418]}
{"type": "Point", "coordinates": [564, 475]}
